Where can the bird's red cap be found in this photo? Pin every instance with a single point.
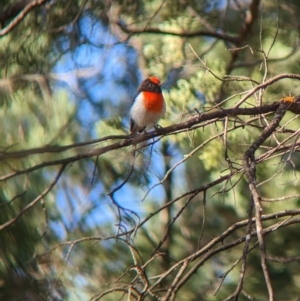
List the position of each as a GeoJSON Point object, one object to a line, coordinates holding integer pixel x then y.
{"type": "Point", "coordinates": [155, 80]}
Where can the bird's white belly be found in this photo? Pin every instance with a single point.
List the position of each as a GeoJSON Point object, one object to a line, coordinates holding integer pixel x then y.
{"type": "Point", "coordinates": [142, 117]}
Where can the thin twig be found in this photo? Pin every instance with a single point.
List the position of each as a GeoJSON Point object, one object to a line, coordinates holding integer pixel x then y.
{"type": "Point", "coordinates": [36, 200]}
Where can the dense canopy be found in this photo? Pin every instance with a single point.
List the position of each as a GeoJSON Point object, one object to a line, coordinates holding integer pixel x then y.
{"type": "Point", "coordinates": [202, 207]}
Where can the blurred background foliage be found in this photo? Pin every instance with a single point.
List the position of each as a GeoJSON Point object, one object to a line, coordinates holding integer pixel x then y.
{"type": "Point", "coordinates": [69, 72]}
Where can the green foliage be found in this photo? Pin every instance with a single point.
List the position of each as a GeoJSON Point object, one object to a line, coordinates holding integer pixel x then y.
{"type": "Point", "coordinates": [79, 240]}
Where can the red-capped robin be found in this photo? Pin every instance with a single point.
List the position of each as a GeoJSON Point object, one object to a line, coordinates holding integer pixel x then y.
{"type": "Point", "coordinates": [148, 105]}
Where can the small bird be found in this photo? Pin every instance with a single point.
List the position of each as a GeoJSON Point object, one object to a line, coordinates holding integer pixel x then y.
{"type": "Point", "coordinates": [148, 105]}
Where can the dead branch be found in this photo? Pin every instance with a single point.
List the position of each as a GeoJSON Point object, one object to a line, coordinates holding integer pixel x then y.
{"type": "Point", "coordinates": [250, 170]}
{"type": "Point", "coordinates": [19, 11]}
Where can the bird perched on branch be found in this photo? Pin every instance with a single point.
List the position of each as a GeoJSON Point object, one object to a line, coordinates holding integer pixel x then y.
{"type": "Point", "coordinates": [148, 105]}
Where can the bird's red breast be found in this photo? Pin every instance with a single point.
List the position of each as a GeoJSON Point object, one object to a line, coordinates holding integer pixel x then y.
{"type": "Point", "coordinates": [153, 101]}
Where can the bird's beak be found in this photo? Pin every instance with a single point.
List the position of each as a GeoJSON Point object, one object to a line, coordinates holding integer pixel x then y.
{"type": "Point", "coordinates": [162, 84]}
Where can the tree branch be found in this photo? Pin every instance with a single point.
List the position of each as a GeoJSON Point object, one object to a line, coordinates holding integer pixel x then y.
{"type": "Point", "coordinates": [250, 170]}
{"type": "Point", "coordinates": [37, 199]}
{"type": "Point", "coordinates": [132, 140]}
{"type": "Point", "coordinates": [184, 34]}
{"type": "Point", "coordinates": [20, 10]}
